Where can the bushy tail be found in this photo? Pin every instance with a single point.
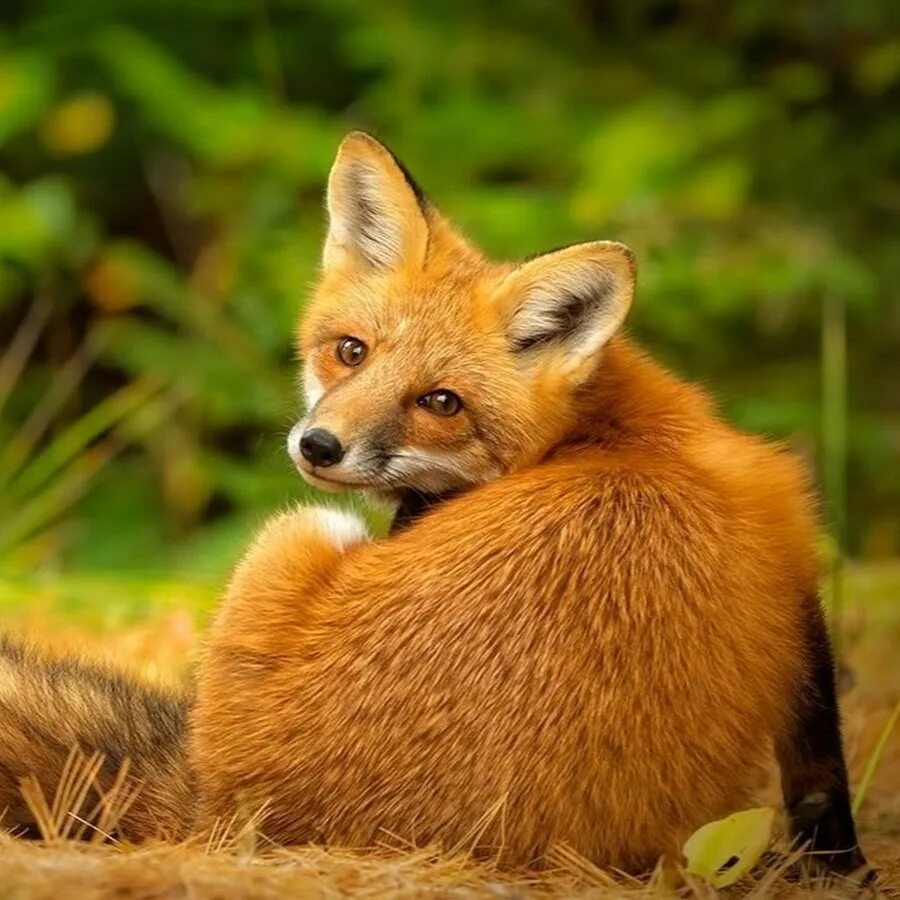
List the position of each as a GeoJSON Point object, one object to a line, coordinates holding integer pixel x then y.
{"type": "Point", "coordinates": [87, 751]}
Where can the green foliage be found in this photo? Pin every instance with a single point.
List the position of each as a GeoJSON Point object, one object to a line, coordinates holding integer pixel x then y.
{"type": "Point", "coordinates": [160, 220]}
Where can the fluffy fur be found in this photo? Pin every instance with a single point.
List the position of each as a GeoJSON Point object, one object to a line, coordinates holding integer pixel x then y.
{"type": "Point", "coordinates": [597, 618]}
{"type": "Point", "coordinates": [48, 707]}
{"type": "Point", "coordinates": [598, 647]}
{"type": "Point", "coordinates": [595, 650]}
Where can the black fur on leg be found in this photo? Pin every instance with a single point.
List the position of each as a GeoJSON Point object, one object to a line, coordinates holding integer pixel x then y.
{"type": "Point", "coordinates": [813, 770]}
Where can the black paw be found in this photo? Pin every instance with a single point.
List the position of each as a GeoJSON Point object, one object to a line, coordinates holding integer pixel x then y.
{"type": "Point", "coordinates": [823, 823]}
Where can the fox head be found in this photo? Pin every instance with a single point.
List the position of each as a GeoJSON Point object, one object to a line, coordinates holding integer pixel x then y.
{"type": "Point", "coordinates": [427, 367]}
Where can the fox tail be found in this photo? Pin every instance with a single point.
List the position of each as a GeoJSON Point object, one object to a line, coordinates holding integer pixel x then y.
{"type": "Point", "coordinates": [86, 751]}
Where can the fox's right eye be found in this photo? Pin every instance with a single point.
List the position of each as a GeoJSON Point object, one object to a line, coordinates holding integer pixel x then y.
{"type": "Point", "coordinates": [351, 351]}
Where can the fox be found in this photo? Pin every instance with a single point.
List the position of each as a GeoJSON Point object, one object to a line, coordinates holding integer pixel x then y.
{"type": "Point", "coordinates": [65, 722]}
{"type": "Point", "coordinates": [597, 613]}
{"type": "Point", "coordinates": [595, 618]}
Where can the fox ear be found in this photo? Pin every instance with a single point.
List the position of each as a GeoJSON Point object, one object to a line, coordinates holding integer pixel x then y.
{"type": "Point", "coordinates": [376, 211]}
{"type": "Point", "coordinates": [568, 303]}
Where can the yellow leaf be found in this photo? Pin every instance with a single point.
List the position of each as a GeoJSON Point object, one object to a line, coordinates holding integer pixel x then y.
{"type": "Point", "coordinates": [722, 852]}
{"type": "Point", "coordinates": [81, 124]}
{"type": "Point", "coordinates": [111, 284]}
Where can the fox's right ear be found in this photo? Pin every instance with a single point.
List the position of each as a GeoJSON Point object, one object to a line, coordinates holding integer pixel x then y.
{"type": "Point", "coordinates": [563, 307]}
{"type": "Point", "coordinates": [377, 213]}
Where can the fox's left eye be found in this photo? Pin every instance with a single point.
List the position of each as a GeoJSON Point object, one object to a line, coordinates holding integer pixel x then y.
{"type": "Point", "coordinates": [351, 351]}
{"type": "Point", "coordinates": [441, 403]}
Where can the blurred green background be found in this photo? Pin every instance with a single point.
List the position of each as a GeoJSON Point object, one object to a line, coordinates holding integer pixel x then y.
{"type": "Point", "coordinates": [161, 173]}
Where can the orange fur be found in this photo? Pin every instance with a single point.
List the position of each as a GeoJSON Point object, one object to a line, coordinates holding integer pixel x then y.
{"type": "Point", "coordinates": [593, 644]}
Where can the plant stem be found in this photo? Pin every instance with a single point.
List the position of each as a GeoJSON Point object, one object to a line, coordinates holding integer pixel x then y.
{"type": "Point", "coordinates": [834, 448]}
{"type": "Point", "coordinates": [875, 760]}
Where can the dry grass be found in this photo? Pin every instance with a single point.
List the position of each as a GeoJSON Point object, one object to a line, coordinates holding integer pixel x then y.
{"type": "Point", "coordinates": [244, 865]}
{"type": "Point", "coordinates": [89, 872]}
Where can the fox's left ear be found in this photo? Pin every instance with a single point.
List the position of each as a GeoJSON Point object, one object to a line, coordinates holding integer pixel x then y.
{"type": "Point", "coordinates": [565, 305]}
{"type": "Point", "coordinates": [376, 212]}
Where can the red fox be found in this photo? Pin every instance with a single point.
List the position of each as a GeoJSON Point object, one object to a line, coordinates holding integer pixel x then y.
{"type": "Point", "coordinates": [599, 608]}
{"type": "Point", "coordinates": [597, 611]}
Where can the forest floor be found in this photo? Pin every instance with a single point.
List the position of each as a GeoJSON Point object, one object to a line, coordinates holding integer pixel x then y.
{"type": "Point", "coordinates": [156, 627]}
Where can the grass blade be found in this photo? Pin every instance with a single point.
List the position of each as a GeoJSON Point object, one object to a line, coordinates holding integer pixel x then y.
{"type": "Point", "coordinates": [875, 760]}
{"type": "Point", "coordinates": [80, 434]}
{"type": "Point", "coordinates": [834, 447]}
{"type": "Point", "coordinates": [70, 376]}
{"type": "Point", "coordinates": [60, 496]}
{"type": "Point", "coordinates": [19, 351]}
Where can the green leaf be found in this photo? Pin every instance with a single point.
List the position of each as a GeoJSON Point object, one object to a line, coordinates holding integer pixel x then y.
{"type": "Point", "coordinates": [724, 851]}
{"type": "Point", "coordinates": [879, 68]}
{"type": "Point", "coordinates": [228, 387]}
{"type": "Point", "coordinates": [26, 85]}
{"type": "Point", "coordinates": [36, 220]}
{"type": "Point", "coordinates": [223, 128]}
{"type": "Point", "coordinates": [219, 127]}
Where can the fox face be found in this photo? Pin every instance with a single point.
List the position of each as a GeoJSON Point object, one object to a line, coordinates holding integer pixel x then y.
{"type": "Point", "coordinates": [427, 367]}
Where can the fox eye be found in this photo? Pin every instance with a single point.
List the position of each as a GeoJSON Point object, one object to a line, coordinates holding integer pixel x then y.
{"type": "Point", "coordinates": [441, 403]}
{"type": "Point", "coordinates": [351, 351]}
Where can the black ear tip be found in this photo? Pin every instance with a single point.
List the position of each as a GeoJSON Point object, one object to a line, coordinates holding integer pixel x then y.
{"type": "Point", "coordinates": [363, 138]}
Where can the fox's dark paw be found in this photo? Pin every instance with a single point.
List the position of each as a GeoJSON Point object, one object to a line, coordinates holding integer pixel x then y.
{"type": "Point", "coordinates": [824, 825]}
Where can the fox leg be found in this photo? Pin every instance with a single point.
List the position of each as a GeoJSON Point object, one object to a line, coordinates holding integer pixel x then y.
{"type": "Point", "coordinates": [813, 770]}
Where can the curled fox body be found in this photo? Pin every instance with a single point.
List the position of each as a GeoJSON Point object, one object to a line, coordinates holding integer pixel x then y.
{"type": "Point", "coordinates": [597, 613]}
{"type": "Point", "coordinates": [594, 639]}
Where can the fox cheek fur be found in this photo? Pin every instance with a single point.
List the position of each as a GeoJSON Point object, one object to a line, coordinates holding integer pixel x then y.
{"type": "Point", "coordinates": [596, 647]}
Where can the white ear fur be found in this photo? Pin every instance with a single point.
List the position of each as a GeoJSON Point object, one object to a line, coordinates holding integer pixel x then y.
{"type": "Point", "coordinates": [375, 210]}
{"type": "Point", "coordinates": [571, 300]}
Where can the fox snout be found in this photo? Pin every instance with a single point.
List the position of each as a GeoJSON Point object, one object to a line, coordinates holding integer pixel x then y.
{"type": "Point", "coordinates": [319, 447]}
{"type": "Point", "coordinates": [312, 449]}
{"type": "Point", "coordinates": [333, 460]}
{"type": "Point", "coordinates": [373, 459]}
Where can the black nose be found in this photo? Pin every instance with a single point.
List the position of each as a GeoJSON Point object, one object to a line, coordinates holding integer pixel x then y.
{"type": "Point", "coordinates": [321, 447]}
